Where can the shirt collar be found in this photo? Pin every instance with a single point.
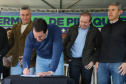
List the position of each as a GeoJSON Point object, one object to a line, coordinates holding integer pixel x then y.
{"type": "Point", "coordinates": [114, 21]}
{"type": "Point", "coordinates": [86, 28]}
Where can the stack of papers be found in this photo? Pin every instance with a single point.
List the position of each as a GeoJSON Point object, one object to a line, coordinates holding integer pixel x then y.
{"type": "Point", "coordinates": [29, 75]}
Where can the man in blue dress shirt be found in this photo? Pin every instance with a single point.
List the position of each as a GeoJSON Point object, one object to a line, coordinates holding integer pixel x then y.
{"type": "Point", "coordinates": [81, 46]}
{"type": "Point", "coordinates": [47, 40]}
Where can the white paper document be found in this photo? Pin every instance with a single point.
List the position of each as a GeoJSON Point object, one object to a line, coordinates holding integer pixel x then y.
{"type": "Point", "coordinates": [29, 75]}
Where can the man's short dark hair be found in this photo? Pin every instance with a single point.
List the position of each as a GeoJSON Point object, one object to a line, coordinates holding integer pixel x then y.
{"type": "Point", "coordinates": [40, 25]}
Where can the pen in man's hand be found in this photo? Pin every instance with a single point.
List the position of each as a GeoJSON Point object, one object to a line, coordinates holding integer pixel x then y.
{"type": "Point", "coordinates": [26, 64]}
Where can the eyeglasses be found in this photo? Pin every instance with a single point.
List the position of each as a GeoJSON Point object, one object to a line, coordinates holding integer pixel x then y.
{"type": "Point", "coordinates": [41, 37]}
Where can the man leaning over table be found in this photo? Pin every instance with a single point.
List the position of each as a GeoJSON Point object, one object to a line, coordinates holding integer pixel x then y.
{"type": "Point", "coordinates": [47, 40]}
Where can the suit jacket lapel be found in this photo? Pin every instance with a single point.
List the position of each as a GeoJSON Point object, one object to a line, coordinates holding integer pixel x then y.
{"type": "Point", "coordinates": [18, 30]}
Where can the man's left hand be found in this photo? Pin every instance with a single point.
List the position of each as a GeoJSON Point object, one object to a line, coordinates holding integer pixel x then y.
{"type": "Point", "coordinates": [90, 65]}
{"type": "Point", "coordinates": [42, 74]}
{"type": "Point", "coordinates": [122, 68]}
{"type": "Point", "coordinates": [21, 59]}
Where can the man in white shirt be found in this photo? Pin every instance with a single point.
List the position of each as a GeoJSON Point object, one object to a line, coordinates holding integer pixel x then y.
{"type": "Point", "coordinates": [17, 42]}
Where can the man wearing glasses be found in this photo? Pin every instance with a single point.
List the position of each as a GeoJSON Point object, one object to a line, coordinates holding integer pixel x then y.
{"type": "Point", "coordinates": [47, 40]}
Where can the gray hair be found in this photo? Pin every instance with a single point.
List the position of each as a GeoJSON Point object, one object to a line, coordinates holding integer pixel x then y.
{"type": "Point", "coordinates": [120, 6]}
{"type": "Point", "coordinates": [25, 7]}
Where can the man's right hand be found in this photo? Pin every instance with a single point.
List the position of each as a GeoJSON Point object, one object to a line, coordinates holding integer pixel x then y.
{"type": "Point", "coordinates": [5, 61]}
{"type": "Point", "coordinates": [96, 66]}
{"type": "Point", "coordinates": [9, 65]}
{"type": "Point", "coordinates": [26, 71]}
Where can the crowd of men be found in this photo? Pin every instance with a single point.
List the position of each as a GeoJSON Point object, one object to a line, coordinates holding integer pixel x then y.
{"type": "Point", "coordinates": [37, 48]}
